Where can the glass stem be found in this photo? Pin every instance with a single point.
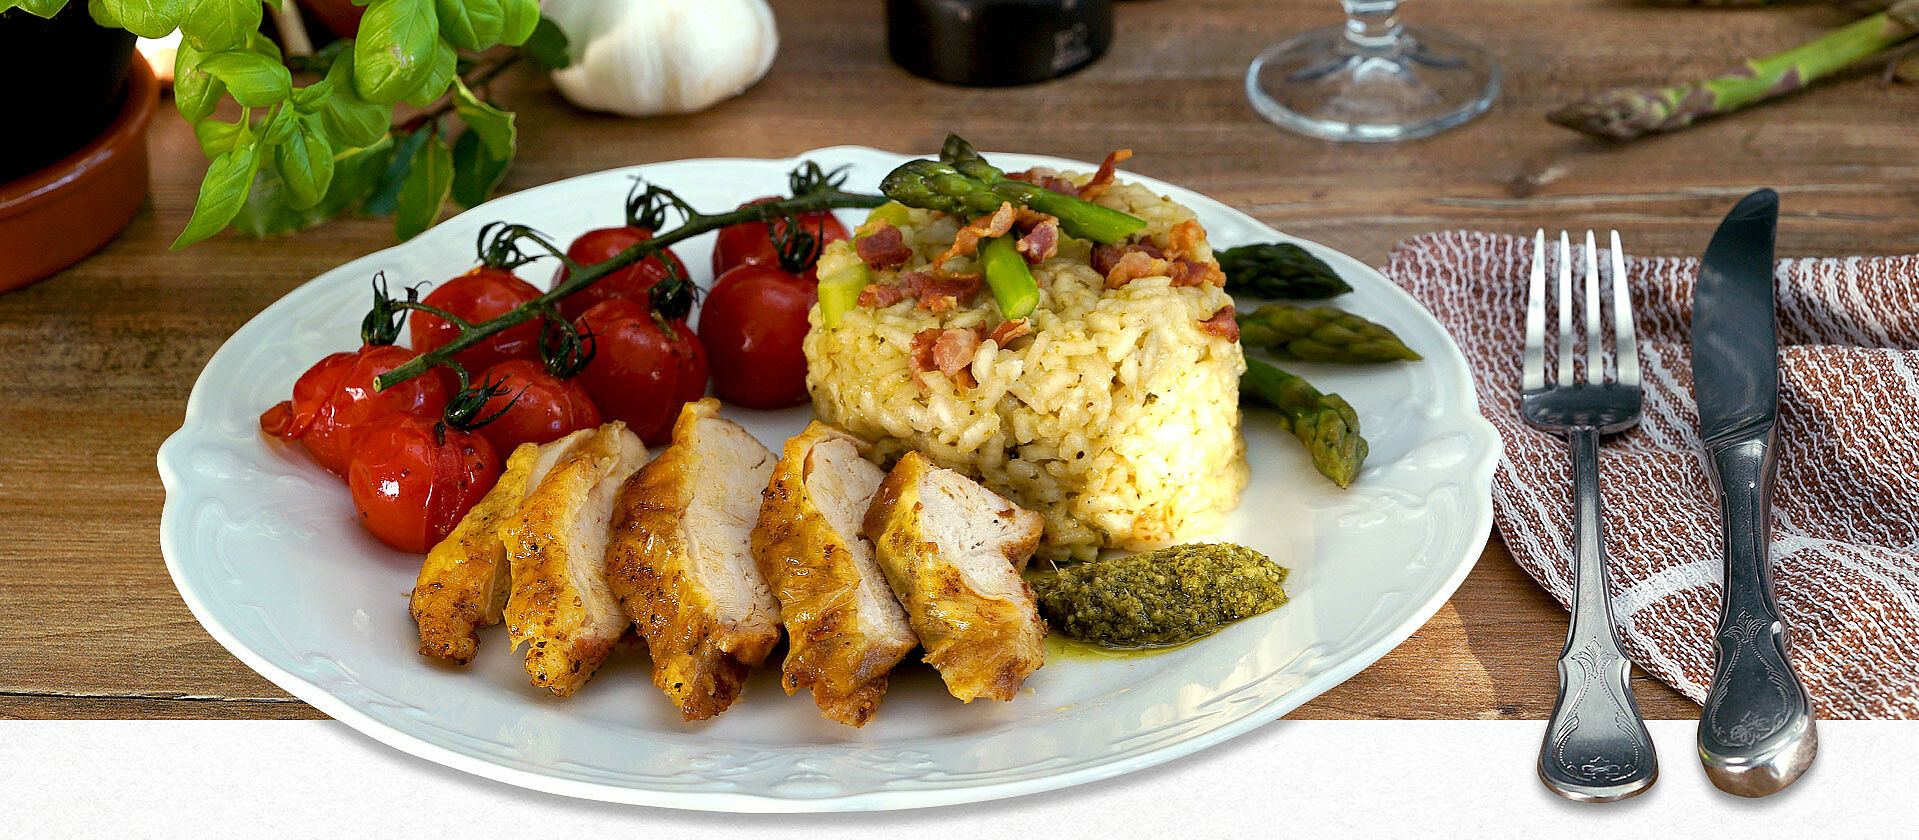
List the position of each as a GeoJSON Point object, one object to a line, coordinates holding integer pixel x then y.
{"type": "Point", "coordinates": [1372, 26]}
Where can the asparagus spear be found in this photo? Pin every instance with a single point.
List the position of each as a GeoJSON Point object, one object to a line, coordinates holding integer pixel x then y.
{"type": "Point", "coordinates": [1007, 275]}
{"type": "Point", "coordinates": [1625, 113]}
{"type": "Point", "coordinates": [969, 186]}
{"type": "Point", "coordinates": [1279, 270]}
{"type": "Point", "coordinates": [1321, 334]}
{"type": "Point", "coordinates": [1324, 422]}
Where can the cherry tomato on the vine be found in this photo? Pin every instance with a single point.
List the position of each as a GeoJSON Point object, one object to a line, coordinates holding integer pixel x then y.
{"type": "Point", "coordinates": [413, 479]}
{"type": "Point", "coordinates": [645, 366]}
{"type": "Point", "coordinates": [632, 282]}
{"type": "Point", "coordinates": [476, 296]}
{"type": "Point", "coordinates": [752, 324]}
{"type": "Point", "coordinates": [751, 243]}
{"type": "Point", "coordinates": [544, 408]}
{"type": "Point", "coordinates": [335, 401]}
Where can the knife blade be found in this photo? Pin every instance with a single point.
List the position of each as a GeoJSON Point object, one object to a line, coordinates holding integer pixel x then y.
{"type": "Point", "coordinates": [1756, 732]}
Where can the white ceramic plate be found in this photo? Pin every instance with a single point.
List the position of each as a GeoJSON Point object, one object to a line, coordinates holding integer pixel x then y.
{"type": "Point", "coordinates": [265, 549]}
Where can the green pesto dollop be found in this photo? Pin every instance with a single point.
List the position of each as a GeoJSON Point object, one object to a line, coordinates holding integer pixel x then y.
{"type": "Point", "coordinates": [1162, 597]}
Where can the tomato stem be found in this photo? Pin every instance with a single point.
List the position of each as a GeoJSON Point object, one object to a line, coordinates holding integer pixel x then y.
{"type": "Point", "coordinates": [826, 197]}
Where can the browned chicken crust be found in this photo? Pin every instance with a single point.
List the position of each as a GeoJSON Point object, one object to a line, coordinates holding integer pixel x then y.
{"type": "Point", "coordinates": [679, 561]}
{"type": "Point", "coordinates": [845, 630]}
{"type": "Point", "coordinates": [952, 551]}
{"type": "Point", "coordinates": [464, 580]}
{"type": "Point", "coordinates": [556, 542]}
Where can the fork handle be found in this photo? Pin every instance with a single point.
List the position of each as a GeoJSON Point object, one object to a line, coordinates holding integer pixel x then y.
{"type": "Point", "coordinates": [1596, 748]}
{"type": "Point", "coordinates": [1756, 733]}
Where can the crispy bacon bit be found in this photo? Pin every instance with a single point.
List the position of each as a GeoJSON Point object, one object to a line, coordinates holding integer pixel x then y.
{"type": "Point", "coordinates": [1009, 330]}
{"type": "Point", "coordinates": [1222, 324]}
{"type": "Point", "coordinates": [1026, 218]}
{"type": "Point", "coordinates": [880, 296]}
{"type": "Point", "coordinates": [1045, 181]}
{"type": "Point", "coordinates": [984, 227]}
{"type": "Point", "coordinates": [1042, 243]}
{"type": "Point", "coordinates": [1134, 265]}
{"type": "Point", "coordinates": [938, 303]}
{"type": "Point", "coordinates": [925, 285]}
{"type": "Point", "coordinates": [883, 247]}
{"type": "Point", "coordinates": [1185, 238]}
{"type": "Point", "coordinates": [1185, 272]}
{"type": "Point", "coordinates": [949, 351]}
{"type": "Point", "coordinates": [1103, 179]}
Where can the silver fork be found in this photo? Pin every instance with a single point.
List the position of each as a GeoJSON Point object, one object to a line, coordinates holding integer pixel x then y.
{"type": "Point", "coordinates": [1596, 748]}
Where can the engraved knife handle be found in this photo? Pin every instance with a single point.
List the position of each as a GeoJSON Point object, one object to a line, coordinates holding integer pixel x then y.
{"type": "Point", "coordinates": [1756, 731]}
{"type": "Point", "coordinates": [1596, 748]}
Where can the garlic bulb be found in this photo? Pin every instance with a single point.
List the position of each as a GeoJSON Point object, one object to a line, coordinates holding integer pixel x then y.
{"type": "Point", "coordinates": [643, 57]}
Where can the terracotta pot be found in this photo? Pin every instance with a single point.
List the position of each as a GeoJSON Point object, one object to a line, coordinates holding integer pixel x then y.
{"type": "Point", "coordinates": [64, 77]}
{"type": "Point", "coordinates": [54, 217]}
{"type": "Point", "coordinates": [340, 16]}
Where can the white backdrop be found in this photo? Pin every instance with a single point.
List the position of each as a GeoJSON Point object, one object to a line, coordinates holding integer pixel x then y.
{"type": "Point", "coordinates": [297, 779]}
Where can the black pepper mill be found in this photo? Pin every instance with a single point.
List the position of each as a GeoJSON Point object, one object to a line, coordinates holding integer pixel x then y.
{"type": "Point", "coordinates": [992, 43]}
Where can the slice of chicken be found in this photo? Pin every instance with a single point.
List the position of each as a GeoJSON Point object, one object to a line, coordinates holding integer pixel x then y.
{"type": "Point", "coordinates": [952, 551]}
{"type": "Point", "coordinates": [556, 543]}
{"type": "Point", "coordinates": [464, 580]}
{"type": "Point", "coordinates": [680, 560]}
{"type": "Point", "coordinates": [844, 628]}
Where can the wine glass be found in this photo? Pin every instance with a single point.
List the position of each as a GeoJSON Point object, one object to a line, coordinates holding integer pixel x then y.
{"type": "Point", "coordinates": [1372, 79]}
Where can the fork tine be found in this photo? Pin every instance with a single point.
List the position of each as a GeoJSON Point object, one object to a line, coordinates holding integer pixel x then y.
{"type": "Point", "coordinates": [1627, 351]}
{"type": "Point", "coordinates": [1595, 343]}
{"type": "Point", "coordinates": [1564, 349]}
{"type": "Point", "coordinates": [1535, 369]}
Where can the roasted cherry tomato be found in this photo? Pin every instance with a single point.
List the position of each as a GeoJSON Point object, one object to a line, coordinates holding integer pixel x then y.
{"type": "Point", "coordinates": [645, 366]}
{"type": "Point", "coordinates": [478, 295]}
{"type": "Point", "coordinates": [543, 408]}
{"type": "Point", "coordinates": [335, 400]}
{"type": "Point", "coordinates": [751, 243]}
{"type": "Point", "coordinates": [631, 282]}
{"type": "Point", "coordinates": [752, 324]}
{"type": "Point", "coordinates": [413, 479]}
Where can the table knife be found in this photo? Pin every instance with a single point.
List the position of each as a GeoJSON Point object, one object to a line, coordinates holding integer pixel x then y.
{"type": "Point", "coordinates": [1756, 730]}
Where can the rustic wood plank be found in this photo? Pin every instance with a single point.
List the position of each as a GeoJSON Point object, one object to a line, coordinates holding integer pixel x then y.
{"type": "Point", "coordinates": [105, 353]}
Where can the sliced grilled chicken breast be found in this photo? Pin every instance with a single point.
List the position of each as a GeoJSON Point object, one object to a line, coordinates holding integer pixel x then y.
{"type": "Point", "coordinates": [464, 581]}
{"type": "Point", "coordinates": [844, 628]}
{"type": "Point", "coordinates": [680, 560]}
{"type": "Point", "coordinates": [952, 551]}
{"type": "Point", "coordinates": [556, 544]}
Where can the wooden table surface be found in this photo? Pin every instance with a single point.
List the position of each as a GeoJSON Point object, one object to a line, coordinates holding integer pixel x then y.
{"type": "Point", "coordinates": [100, 358]}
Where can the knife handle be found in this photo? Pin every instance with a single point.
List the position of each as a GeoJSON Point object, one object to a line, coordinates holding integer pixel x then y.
{"type": "Point", "coordinates": [1756, 731]}
{"type": "Point", "coordinates": [1596, 747]}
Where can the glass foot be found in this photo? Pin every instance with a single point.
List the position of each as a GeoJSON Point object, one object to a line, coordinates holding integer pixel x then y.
{"type": "Point", "coordinates": [1321, 84]}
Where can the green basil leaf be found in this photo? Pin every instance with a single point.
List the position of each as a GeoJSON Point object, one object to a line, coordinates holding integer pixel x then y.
{"type": "Point", "coordinates": [214, 25]}
{"type": "Point", "coordinates": [471, 24]}
{"type": "Point", "coordinates": [313, 97]}
{"type": "Point", "coordinates": [258, 41]}
{"type": "Point", "coordinates": [425, 188]}
{"type": "Point", "coordinates": [476, 172]}
{"type": "Point", "coordinates": [493, 125]}
{"type": "Point", "coordinates": [439, 75]}
{"type": "Point", "coordinates": [304, 160]}
{"type": "Point", "coordinates": [145, 18]}
{"type": "Point", "coordinates": [278, 126]}
{"type": "Point", "coordinates": [385, 198]}
{"type": "Point", "coordinates": [517, 19]}
{"type": "Point", "coordinates": [546, 46]}
{"type": "Point", "coordinates": [254, 80]}
{"type": "Point", "coordinates": [228, 178]}
{"type": "Point", "coordinates": [395, 50]}
{"type": "Point", "coordinates": [215, 136]}
{"type": "Point", "coordinates": [195, 91]}
{"type": "Point", "coordinates": [355, 173]}
{"type": "Point", "coordinates": [350, 120]}
{"type": "Point", "coordinates": [38, 8]}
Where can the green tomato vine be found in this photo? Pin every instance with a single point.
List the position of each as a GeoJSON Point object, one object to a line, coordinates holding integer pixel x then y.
{"type": "Point", "coordinates": [300, 155]}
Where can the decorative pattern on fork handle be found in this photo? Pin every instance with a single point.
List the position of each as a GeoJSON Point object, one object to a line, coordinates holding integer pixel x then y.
{"type": "Point", "coordinates": [1596, 747]}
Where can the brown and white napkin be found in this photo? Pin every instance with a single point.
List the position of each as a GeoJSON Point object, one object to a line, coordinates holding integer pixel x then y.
{"type": "Point", "coordinates": [1846, 513]}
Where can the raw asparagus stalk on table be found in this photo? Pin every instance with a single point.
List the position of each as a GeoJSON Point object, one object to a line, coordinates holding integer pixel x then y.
{"type": "Point", "coordinates": [1321, 334]}
{"type": "Point", "coordinates": [1279, 270]}
{"type": "Point", "coordinates": [1324, 422]}
{"type": "Point", "coordinates": [1625, 113]}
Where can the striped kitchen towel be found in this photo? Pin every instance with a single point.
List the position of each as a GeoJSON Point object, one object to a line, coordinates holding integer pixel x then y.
{"type": "Point", "coordinates": [1846, 516]}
